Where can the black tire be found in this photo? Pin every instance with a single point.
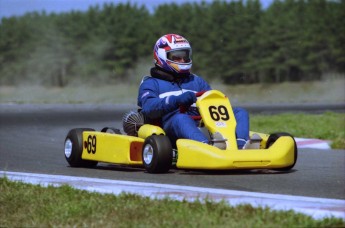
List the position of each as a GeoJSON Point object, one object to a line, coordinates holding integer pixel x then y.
{"type": "Point", "coordinates": [273, 138]}
{"type": "Point", "coordinates": [75, 139]}
{"type": "Point", "coordinates": [157, 154]}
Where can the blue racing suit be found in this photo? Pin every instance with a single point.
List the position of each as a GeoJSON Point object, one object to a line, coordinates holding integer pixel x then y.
{"type": "Point", "coordinates": [157, 100]}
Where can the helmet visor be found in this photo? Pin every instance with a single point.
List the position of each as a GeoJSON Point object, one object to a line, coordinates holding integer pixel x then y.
{"type": "Point", "coordinates": [180, 56]}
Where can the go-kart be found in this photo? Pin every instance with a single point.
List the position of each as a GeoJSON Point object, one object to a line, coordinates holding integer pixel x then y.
{"type": "Point", "coordinates": [146, 145]}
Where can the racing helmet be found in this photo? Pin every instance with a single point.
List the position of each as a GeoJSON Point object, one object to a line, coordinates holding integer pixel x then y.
{"type": "Point", "coordinates": [173, 53]}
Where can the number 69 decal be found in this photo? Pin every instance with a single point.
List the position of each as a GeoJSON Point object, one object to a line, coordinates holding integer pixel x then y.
{"type": "Point", "coordinates": [219, 113]}
{"type": "Point", "coordinates": [90, 144]}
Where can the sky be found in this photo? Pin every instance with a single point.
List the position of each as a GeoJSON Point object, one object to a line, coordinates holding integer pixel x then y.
{"type": "Point", "coordinates": [20, 7]}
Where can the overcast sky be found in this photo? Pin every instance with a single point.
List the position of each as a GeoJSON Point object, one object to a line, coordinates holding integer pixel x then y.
{"type": "Point", "coordinates": [19, 7]}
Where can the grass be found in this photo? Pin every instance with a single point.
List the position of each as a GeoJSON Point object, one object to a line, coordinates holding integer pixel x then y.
{"type": "Point", "coordinates": [120, 93]}
{"type": "Point", "coordinates": [328, 126]}
{"type": "Point", "coordinates": [332, 91]}
{"type": "Point", "coordinates": [24, 205]}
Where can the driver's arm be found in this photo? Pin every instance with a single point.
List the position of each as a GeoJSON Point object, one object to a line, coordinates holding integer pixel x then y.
{"type": "Point", "coordinates": [150, 102]}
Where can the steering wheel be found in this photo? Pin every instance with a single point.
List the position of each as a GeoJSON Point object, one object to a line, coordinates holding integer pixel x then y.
{"type": "Point", "coordinates": [183, 108]}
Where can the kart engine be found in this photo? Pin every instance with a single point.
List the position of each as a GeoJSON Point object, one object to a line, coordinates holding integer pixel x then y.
{"type": "Point", "coordinates": [132, 121]}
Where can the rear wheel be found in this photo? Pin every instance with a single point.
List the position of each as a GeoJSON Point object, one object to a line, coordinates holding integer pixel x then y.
{"type": "Point", "coordinates": [273, 138]}
{"type": "Point", "coordinates": [157, 154]}
{"type": "Point", "coordinates": [74, 148]}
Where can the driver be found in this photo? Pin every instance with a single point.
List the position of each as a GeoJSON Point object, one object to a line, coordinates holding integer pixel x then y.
{"type": "Point", "coordinates": [171, 85]}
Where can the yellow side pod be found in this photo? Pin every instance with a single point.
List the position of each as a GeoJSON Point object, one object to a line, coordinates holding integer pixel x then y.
{"type": "Point", "coordinates": [148, 129]}
{"type": "Point", "coordinates": [112, 148]}
{"type": "Point", "coordinates": [196, 155]}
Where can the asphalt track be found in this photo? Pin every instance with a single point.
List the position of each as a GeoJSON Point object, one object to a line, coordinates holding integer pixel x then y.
{"type": "Point", "coordinates": [32, 138]}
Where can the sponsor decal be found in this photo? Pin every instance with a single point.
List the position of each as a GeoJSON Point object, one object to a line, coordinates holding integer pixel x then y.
{"type": "Point", "coordinates": [220, 124]}
{"type": "Point", "coordinates": [180, 39]}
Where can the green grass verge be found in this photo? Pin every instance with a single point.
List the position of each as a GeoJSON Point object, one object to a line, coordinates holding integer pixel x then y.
{"type": "Point", "coordinates": [331, 91]}
{"type": "Point", "coordinates": [327, 126]}
{"type": "Point", "coordinates": [24, 205]}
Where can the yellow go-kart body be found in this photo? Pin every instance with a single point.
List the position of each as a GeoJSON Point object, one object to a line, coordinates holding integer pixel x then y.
{"type": "Point", "coordinates": [217, 115]}
{"type": "Point", "coordinates": [218, 118]}
{"type": "Point", "coordinates": [194, 155]}
{"type": "Point", "coordinates": [116, 148]}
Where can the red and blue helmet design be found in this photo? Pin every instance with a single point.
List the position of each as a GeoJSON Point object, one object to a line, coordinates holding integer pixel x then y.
{"type": "Point", "coordinates": [173, 53]}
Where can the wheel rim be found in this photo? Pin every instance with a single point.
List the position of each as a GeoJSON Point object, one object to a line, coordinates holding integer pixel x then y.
{"type": "Point", "coordinates": [148, 154]}
{"type": "Point", "coordinates": [68, 148]}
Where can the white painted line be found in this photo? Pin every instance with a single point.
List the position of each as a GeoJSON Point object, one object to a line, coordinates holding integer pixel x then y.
{"type": "Point", "coordinates": [318, 208]}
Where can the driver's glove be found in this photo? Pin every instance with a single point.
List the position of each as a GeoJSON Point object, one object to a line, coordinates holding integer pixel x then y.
{"type": "Point", "coordinates": [185, 99]}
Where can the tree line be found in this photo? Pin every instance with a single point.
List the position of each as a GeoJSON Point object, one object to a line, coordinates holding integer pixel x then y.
{"type": "Point", "coordinates": [234, 42]}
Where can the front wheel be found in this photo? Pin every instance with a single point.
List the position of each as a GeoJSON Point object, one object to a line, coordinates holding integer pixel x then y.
{"type": "Point", "coordinates": [74, 148]}
{"type": "Point", "coordinates": [157, 154]}
{"type": "Point", "coordinates": [273, 138]}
